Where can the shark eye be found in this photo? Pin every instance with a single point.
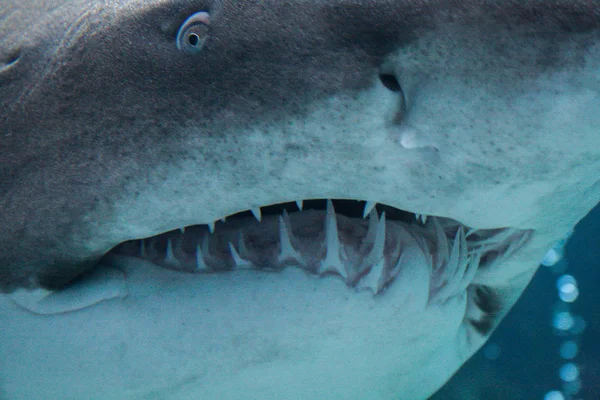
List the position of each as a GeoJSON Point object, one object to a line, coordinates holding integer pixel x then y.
{"type": "Point", "coordinates": [193, 33]}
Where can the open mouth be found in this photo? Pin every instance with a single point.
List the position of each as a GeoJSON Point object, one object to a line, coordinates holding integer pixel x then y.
{"type": "Point", "coordinates": [366, 245]}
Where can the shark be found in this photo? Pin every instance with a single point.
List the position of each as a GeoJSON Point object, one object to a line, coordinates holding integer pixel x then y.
{"type": "Point", "coordinates": [276, 199]}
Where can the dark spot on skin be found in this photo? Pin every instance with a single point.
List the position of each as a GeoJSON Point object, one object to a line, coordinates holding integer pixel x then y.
{"type": "Point", "coordinates": [484, 327]}
{"type": "Point", "coordinates": [489, 302]}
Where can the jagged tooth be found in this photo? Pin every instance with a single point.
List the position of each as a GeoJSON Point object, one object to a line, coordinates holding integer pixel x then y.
{"type": "Point", "coordinates": [462, 280]}
{"type": "Point", "coordinates": [242, 246]}
{"type": "Point", "coordinates": [380, 236]}
{"type": "Point", "coordinates": [332, 261]}
{"type": "Point", "coordinates": [369, 206]}
{"type": "Point", "coordinates": [330, 222]}
{"type": "Point", "coordinates": [287, 250]}
{"type": "Point", "coordinates": [143, 249]}
{"type": "Point", "coordinates": [200, 264]}
{"type": "Point", "coordinates": [211, 227]}
{"type": "Point", "coordinates": [441, 243]}
{"type": "Point", "coordinates": [464, 260]}
{"type": "Point", "coordinates": [288, 221]}
{"type": "Point", "coordinates": [422, 242]}
{"type": "Point", "coordinates": [454, 261]}
{"type": "Point", "coordinates": [300, 204]}
{"type": "Point", "coordinates": [373, 280]}
{"type": "Point", "coordinates": [371, 231]}
{"type": "Point", "coordinates": [497, 238]}
{"type": "Point", "coordinates": [170, 257]}
{"type": "Point", "coordinates": [239, 261]}
{"type": "Point", "coordinates": [257, 213]}
{"type": "Point", "coordinates": [376, 253]}
{"type": "Point", "coordinates": [470, 272]}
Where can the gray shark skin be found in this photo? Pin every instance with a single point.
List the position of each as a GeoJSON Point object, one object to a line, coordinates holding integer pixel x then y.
{"type": "Point", "coordinates": [481, 115]}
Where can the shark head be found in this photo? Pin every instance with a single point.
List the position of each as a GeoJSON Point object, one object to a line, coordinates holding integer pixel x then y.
{"type": "Point", "coordinates": [262, 199]}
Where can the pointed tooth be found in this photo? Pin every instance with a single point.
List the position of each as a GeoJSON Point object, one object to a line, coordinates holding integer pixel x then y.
{"type": "Point", "coordinates": [300, 204]}
{"type": "Point", "coordinates": [211, 227]}
{"type": "Point", "coordinates": [287, 250]}
{"type": "Point", "coordinates": [170, 257]}
{"type": "Point", "coordinates": [454, 260]}
{"type": "Point", "coordinates": [379, 245]}
{"type": "Point", "coordinates": [497, 238]}
{"type": "Point", "coordinates": [288, 221]}
{"type": "Point", "coordinates": [464, 259]}
{"type": "Point", "coordinates": [376, 253]}
{"type": "Point", "coordinates": [371, 230]}
{"type": "Point", "coordinates": [442, 251]}
{"type": "Point", "coordinates": [257, 213]}
{"type": "Point", "coordinates": [239, 261]}
{"type": "Point", "coordinates": [369, 206]}
{"type": "Point", "coordinates": [373, 280]}
{"type": "Point", "coordinates": [463, 278]}
{"type": "Point", "coordinates": [424, 218]}
{"type": "Point", "coordinates": [224, 219]}
{"type": "Point", "coordinates": [417, 217]}
{"type": "Point", "coordinates": [182, 229]}
{"type": "Point", "coordinates": [242, 246]}
{"type": "Point", "coordinates": [470, 272]}
{"type": "Point", "coordinates": [200, 264]}
{"type": "Point", "coordinates": [332, 261]}
{"type": "Point", "coordinates": [422, 242]}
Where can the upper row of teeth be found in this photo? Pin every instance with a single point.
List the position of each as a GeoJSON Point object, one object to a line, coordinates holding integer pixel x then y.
{"type": "Point", "coordinates": [369, 206]}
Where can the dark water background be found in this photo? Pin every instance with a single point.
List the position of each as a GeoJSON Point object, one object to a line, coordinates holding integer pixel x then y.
{"type": "Point", "coordinates": [528, 362]}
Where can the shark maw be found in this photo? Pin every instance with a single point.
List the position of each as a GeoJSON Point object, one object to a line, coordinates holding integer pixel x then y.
{"type": "Point", "coordinates": [276, 199]}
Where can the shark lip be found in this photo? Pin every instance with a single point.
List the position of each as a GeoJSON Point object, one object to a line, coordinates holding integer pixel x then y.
{"type": "Point", "coordinates": [366, 244]}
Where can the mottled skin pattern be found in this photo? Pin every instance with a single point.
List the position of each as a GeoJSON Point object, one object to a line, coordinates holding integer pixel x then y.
{"type": "Point", "coordinates": [109, 133]}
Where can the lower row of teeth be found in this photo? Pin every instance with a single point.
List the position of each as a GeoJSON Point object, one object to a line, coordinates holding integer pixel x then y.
{"type": "Point", "coordinates": [366, 254]}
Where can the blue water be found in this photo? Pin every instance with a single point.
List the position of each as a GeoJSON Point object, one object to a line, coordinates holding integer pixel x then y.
{"type": "Point", "coordinates": [523, 360]}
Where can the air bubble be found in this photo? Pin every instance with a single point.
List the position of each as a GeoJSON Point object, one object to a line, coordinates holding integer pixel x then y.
{"type": "Point", "coordinates": [567, 288]}
{"type": "Point", "coordinates": [569, 372]}
{"type": "Point", "coordinates": [569, 349]}
{"type": "Point", "coordinates": [554, 395]}
{"type": "Point", "coordinates": [551, 258]}
{"type": "Point", "coordinates": [491, 351]}
{"type": "Point", "coordinates": [563, 321]}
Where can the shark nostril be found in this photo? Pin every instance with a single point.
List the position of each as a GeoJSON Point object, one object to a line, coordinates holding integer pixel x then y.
{"type": "Point", "coordinates": [390, 82]}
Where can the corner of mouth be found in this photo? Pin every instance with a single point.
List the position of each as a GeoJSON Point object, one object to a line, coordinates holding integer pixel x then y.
{"type": "Point", "coordinates": [363, 243]}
